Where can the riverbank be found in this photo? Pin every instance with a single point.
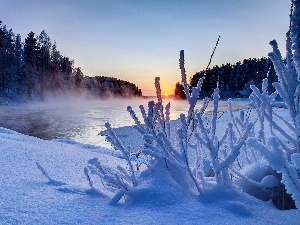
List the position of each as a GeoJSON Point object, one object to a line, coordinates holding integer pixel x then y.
{"type": "Point", "coordinates": [29, 197]}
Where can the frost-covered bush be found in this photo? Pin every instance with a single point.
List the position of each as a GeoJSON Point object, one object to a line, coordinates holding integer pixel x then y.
{"type": "Point", "coordinates": [223, 150]}
{"type": "Point", "coordinates": [187, 154]}
{"type": "Point", "coordinates": [282, 148]}
{"type": "Point", "coordinates": [123, 178]}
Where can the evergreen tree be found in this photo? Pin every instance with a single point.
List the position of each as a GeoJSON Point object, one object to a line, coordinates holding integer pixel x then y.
{"type": "Point", "coordinates": [55, 69]}
{"type": "Point", "coordinates": [3, 66]}
{"type": "Point", "coordinates": [9, 46]}
{"type": "Point", "coordinates": [43, 62]}
{"type": "Point", "coordinates": [1, 35]}
{"type": "Point", "coordinates": [79, 79]}
{"type": "Point", "coordinates": [19, 65]}
{"type": "Point", "coordinates": [6, 62]}
{"type": "Point", "coordinates": [179, 92]}
{"type": "Point", "coordinates": [30, 58]}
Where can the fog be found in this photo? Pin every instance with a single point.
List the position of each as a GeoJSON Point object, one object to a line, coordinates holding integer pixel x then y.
{"type": "Point", "coordinates": [81, 119]}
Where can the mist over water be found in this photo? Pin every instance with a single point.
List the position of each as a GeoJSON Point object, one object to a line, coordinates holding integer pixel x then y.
{"type": "Point", "coordinates": [82, 120]}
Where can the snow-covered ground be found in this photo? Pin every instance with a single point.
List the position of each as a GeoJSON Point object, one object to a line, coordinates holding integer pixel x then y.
{"type": "Point", "coordinates": [28, 197]}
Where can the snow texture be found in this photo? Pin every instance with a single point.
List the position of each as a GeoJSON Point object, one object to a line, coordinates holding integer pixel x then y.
{"type": "Point", "coordinates": [27, 196]}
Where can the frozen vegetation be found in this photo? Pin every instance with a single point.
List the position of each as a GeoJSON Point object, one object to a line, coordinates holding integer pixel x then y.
{"type": "Point", "coordinates": [224, 168]}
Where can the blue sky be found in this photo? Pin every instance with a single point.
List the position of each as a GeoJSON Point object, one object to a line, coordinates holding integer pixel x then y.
{"type": "Point", "coordinates": [137, 40]}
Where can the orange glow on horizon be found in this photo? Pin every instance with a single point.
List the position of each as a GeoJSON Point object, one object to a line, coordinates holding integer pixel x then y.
{"type": "Point", "coordinates": [166, 89]}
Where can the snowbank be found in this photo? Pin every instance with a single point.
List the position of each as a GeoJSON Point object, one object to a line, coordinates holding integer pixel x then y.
{"type": "Point", "coordinates": [28, 197]}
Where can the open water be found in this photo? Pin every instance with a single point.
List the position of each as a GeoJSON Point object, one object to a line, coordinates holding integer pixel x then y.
{"type": "Point", "coordinates": [82, 120]}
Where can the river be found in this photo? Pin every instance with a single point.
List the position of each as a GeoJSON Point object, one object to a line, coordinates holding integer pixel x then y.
{"type": "Point", "coordinates": [82, 120]}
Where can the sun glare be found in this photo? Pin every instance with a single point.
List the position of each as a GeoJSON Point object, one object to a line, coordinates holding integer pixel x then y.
{"type": "Point", "coordinates": [166, 94]}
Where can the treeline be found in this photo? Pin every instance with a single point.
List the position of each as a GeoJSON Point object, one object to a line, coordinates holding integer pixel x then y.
{"type": "Point", "coordinates": [35, 68]}
{"type": "Point", "coordinates": [233, 80]}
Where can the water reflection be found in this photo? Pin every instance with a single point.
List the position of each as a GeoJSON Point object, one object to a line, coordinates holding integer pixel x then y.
{"type": "Point", "coordinates": [83, 120]}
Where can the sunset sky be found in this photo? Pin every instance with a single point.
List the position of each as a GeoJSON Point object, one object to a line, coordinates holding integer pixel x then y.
{"type": "Point", "coordinates": [137, 40]}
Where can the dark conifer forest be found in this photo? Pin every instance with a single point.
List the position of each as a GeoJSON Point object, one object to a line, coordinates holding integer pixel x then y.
{"type": "Point", "coordinates": [34, 69]}
{"type": "Point", "coordinates": [233, 80]}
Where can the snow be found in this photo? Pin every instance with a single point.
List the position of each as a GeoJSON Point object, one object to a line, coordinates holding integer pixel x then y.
{"type": "Point", "coordinates": [27, 196]}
